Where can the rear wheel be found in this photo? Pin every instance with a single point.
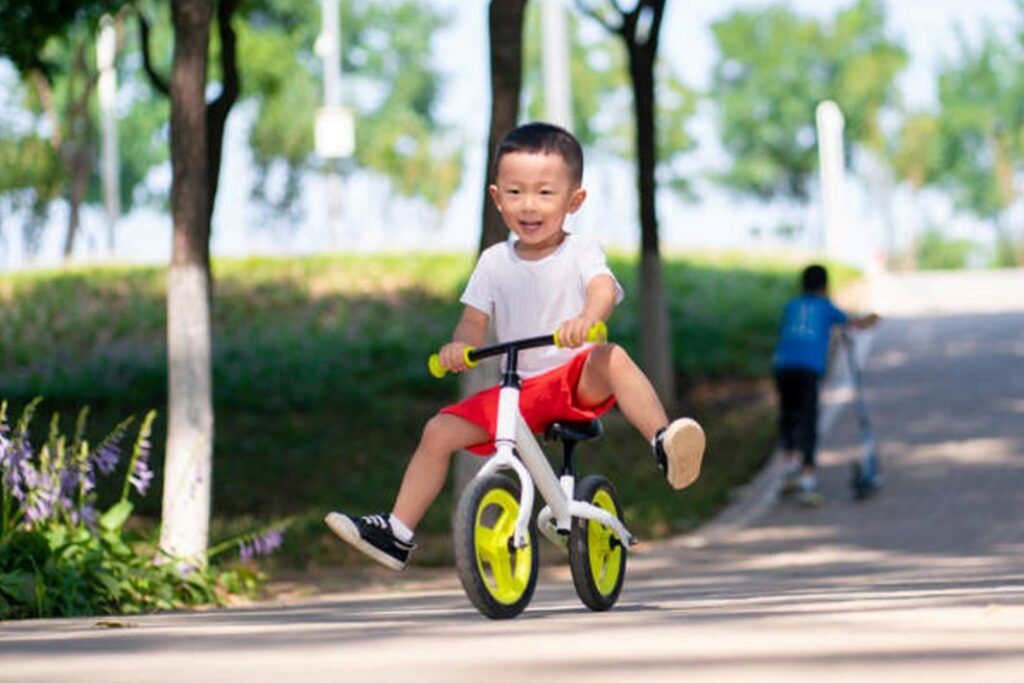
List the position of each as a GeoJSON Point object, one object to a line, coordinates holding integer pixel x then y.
{"type": "Point", "coordinates": [498, 578]}
{"type": "Point", "coordinates": [596, 555]}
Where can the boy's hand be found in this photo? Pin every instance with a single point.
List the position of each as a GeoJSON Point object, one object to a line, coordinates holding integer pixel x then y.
{"type": "Point", "coordinates": [864, 322]}
{"type": "Point", "coordinates": [453, 356]}
{"type": "Point", "coordinates": [573, 333]}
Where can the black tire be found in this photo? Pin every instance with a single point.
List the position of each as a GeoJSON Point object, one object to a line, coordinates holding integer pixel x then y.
{"type": "Point", "coordinates": [498, 578]}
{"type": "Point", "coordinates": [596, 556]}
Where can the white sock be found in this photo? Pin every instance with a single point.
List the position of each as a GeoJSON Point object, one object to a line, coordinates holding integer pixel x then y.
{"type": "Point", "coordinates": [808, 482]}
{"type": "Point", "coordinates": [399, 529]}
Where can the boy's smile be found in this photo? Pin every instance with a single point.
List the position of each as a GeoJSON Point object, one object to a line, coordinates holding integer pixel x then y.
{"type": "Point", "coordinates": [534, 192]}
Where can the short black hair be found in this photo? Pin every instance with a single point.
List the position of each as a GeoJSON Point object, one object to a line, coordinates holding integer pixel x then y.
{"type": "Point", "coordinates": [814, 278]}
{"type": "Point", "coordinates": [543, 138]}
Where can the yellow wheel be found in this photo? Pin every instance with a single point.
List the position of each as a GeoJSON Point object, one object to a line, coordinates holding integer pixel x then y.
{"type": "Point", "coordinates": [498, 578]}
{"type": "Point", "coordinates": [596, 556]}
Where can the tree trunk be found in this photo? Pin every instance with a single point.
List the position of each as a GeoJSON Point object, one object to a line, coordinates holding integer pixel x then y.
{"type": "Point", "coordinates": [655, 331]}
{"type": "Point", "coordinates": [506, 37]}
{"type": "Point", "coordinates": [505, 19]}
{"type": "Point", "coordinates": [188, 466]}
{"type": "Point", "coordinates": [81, 168]}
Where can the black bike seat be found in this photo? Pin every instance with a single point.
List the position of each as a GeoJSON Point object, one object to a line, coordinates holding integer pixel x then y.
{"type": "Point", "coordinates": [573, 430]}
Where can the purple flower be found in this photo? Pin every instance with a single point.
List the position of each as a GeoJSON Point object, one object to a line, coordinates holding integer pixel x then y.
{"type": "Point", "coordinates": [72, 482]}
{"type": "Point", "coordinates": [185, 568]}
{"type": "Point", "coordinates": [262, 544]}
{"type": "Point", "coordinates": [42, 492]}
{"type": "Point", "coordinates": [141, 475]}
{"type": "Point", "coordinates": [16, 465]}
{"type": "Point", "coordinates": [87, 515]}
{"type": "Point", "coordinates": [106, 457]}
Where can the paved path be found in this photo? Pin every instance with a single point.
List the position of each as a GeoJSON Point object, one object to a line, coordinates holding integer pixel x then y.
{"type": "Point", "coordinates": [923, 582]}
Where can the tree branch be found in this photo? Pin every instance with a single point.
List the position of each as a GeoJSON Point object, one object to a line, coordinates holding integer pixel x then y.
{"type": "Point", "coordinates": [155, 79]}
{"type": "Point", "coordinates": [79, 107]}
{"type": "Point", "coordinates": [587, 10]}
{"type": "Point", "coordinates": [45, 93]}
{"type": "Point", "coordinates": [228, 59]}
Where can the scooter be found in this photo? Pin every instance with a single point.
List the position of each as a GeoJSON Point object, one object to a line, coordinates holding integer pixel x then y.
{"type": "Point", "coordinates": [866, 476]}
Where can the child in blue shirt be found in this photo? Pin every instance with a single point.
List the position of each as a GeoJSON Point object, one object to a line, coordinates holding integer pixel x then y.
{"type": "Point", "coordinates": [799, 364]}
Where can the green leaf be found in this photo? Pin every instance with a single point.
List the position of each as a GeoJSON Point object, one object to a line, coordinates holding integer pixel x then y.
{"type": "Point", "coordinates": [114, 518]}
{"type": "Point", "coordinates": [19, 586]}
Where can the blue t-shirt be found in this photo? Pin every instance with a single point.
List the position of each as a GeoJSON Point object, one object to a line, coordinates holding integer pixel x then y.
{"type": "Point", "coordinates": [807, 322]}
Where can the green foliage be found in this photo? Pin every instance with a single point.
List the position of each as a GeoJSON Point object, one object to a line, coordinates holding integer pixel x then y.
{"type": "Point", "coordinates": [388, 67]}
{"type": "Point", "coordinates": [61, 556]}
{"type": "Point", "coordinates": [389, 80]}
{"type": "Point", "coordinates": [935, 251]}
{"type": "Point", "coordinates": [980, 149]}
{"type": "Point", "coordinates": [980, 118]}
{"type": "Point", "coordinates": [30, 26]}
{"type": "Point", "coordinates": [773, 69]}
{"type": "Point", "coordinates": [917, 154]}
{"type": "Point", "coordinates": [599, 80]}
{"type": "Point", "coordinates": [602, 97]}
{"type": "Point", "coordinates": [320, 382]}
{"type": "Point", "coordinates": [55, 94]}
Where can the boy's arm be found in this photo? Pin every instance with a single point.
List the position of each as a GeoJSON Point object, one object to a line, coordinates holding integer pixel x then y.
{"type": "Point", "coordinates": [471, 330]}
{"type": "Point", "coordinates": [863, 321]}
{"type": "Point", "coordinates": [601, 296]}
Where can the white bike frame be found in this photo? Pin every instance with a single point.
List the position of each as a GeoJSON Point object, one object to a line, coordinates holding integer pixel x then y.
{"type": "Point", "coordinates": [513, 436]}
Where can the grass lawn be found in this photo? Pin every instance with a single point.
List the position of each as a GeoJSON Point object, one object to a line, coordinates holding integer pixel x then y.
{"type": "Point", "coordinates": [321, 386]}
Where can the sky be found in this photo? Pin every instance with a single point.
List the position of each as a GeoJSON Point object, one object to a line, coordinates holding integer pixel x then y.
{"type": "Point", "coordinates": [359, 213]}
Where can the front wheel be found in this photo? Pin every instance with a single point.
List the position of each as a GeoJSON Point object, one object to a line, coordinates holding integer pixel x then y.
{"type": "Point", "coordinates": [596, 555]}
{"type": "Point", "coordinates": [498, 578]}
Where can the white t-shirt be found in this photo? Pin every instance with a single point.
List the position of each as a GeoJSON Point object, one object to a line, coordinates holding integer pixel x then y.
{"type": "Point", "coordinates": [530, 298]}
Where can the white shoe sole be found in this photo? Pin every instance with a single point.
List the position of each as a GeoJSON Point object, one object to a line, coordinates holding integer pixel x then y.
{"type": "Point", "coordinates": [344, 529]}
{"type": "Point", "coordinates": [684, 443]}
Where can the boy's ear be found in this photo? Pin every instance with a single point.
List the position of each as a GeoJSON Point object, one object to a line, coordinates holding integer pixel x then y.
{"type": "Point", "coordinates": [579, 195]}
{"type": "Point", "coordinates": [493, 191]}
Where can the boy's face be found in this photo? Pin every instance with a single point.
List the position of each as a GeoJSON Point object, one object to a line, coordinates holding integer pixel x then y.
{"type": "Point", "coordinates": [534, 192]}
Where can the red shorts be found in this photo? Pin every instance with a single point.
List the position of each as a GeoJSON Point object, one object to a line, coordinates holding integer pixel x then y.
{"type": "Point", "coordinates": [546, 398]}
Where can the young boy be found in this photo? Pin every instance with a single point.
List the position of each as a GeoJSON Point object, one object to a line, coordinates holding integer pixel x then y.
{"type": "Point", "coordinates": [544, 280]}
{"type": "Point", "coordinates": [799, 363]}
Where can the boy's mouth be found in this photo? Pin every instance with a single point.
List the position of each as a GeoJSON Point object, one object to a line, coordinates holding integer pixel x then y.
{"type": "Point", "coordinates": [530, 225]}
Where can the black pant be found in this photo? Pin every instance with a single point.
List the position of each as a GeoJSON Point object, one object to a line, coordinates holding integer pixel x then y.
{"type": "Point", "coordinates": [798, 411]}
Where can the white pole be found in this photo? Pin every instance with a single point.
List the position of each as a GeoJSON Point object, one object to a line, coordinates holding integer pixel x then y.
{"type": "Point", "coordinates": [329, 48]}
{"type": "Point", "coordinates": [335, 137]}
{"type": "Point", "coordinates": [106, 48]}
{"type": "Point", "coordinates": [833, 176]}
{"type": "Point", "coordinates": [555, 57]}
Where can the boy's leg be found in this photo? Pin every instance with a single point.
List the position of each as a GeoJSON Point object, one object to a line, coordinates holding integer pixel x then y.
{"type": "Point", "coordinates": [807, 420]}
{"type": "Point", "coordinates": [388, 538]}
{"type": "Point", "coordinates": [808, 431]}
{"type": "Point", "coordinates": [788, 388]}
{"type": "Point", "coordinates": [427, 470]}
{"type": "Point", "coordinates": [678, 446]}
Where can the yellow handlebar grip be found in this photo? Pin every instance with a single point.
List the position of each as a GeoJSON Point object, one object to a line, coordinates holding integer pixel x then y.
{"type": "Point", "coordinates": [435, 367]}
{"type": "Point", "coordinates": [439, 371]}
{"type": "Point", "coordinates": [597, 333]}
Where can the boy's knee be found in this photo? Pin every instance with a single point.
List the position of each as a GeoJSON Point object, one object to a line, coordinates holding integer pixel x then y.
{"type": "Point", "coordinates": [445, 433]}
{"type": "Point", "coordinates": [435, 430]}
{"type": "Point", "coordinates": [610, 354]}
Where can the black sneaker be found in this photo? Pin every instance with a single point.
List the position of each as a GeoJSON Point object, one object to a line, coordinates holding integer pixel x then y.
{"type": "Point", "coordinates": [679, 448]}
{"type": "Point", "coordinates": [373, 536]}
